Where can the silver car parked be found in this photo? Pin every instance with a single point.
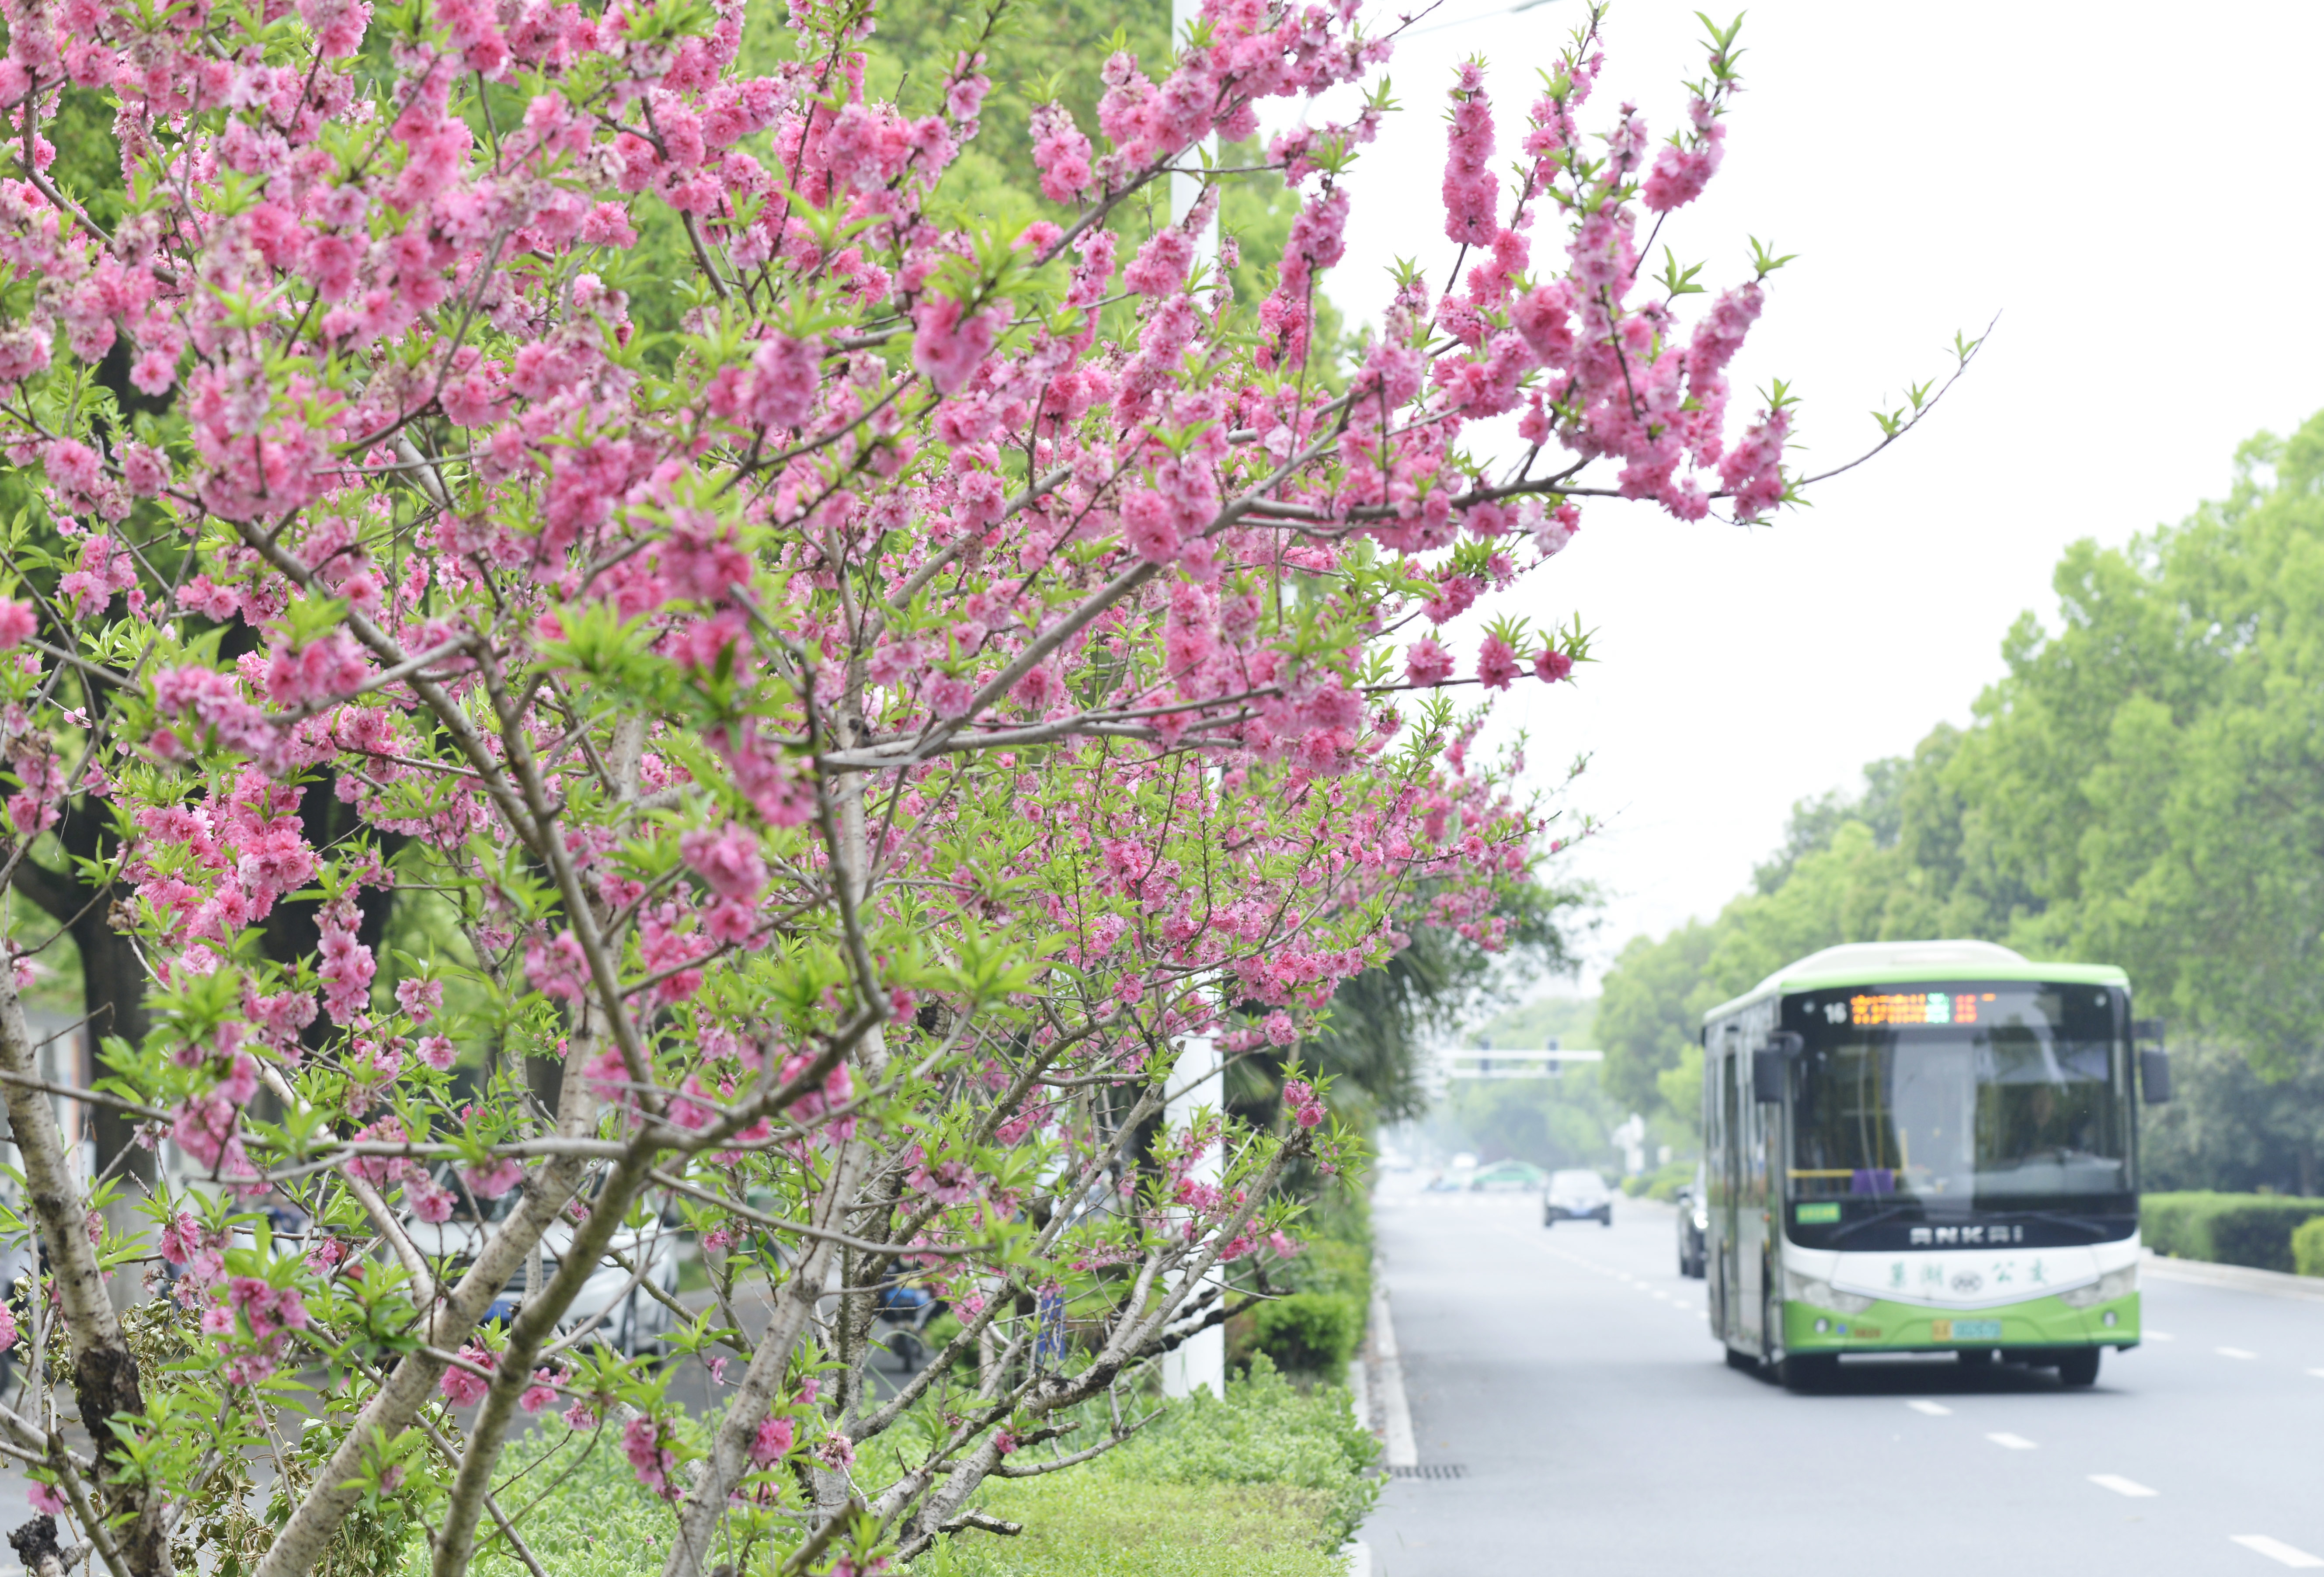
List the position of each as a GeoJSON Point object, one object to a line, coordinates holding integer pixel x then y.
{"type": "Point", "coordinates": [627, 1317]}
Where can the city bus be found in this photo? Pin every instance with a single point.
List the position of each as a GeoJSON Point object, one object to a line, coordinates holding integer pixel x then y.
{"type": "Point", "coordinates": [1925, 1147]}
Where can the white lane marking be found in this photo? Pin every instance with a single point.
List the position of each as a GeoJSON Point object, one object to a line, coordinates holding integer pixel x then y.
{"type": "Point", "coordinates": [2155, 1335]}
{"type": "Point", "coordinates": [2009, 1442]}
{"type": "Point", "coordinates": [2233, 1352]}
{"type": "Point", "coordinates": [2122, 1486]}
{"type": "Point", "coordinates": [1933, 1409]}
{"type": "Point", "coordinates": [2276, 1549]}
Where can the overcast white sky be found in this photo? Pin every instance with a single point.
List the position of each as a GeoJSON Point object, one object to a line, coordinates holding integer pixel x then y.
{"type": "Point", "coordinates": [2133, 187]}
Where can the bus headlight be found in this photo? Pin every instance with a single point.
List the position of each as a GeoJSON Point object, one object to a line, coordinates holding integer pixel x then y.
{"type": "Point", "coordinates": [2113, 1284]}
{"type": "Point", "coordinates": [1799, 1290]}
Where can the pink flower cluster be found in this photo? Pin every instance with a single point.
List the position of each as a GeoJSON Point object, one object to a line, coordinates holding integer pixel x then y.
{"type": "Point", "coordinates": [251, 1321]}
{"type": "Point", "coordinates": [643, 1442]}
{"type": "Point", "coordinates": [772, 1443]}
{"type": "Point", "coordinates": [1300, 1100]}
{"type": "Point", "coordinates": [461, 1386]}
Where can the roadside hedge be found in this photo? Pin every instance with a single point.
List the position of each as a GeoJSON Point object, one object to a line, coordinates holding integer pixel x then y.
{"type": "Point", "coordinates": [2308, 1247]}
{"type": "Point", "coordinates": [1663, 1183]}
{"type": "Point", "coordinates": [1312, 1332]}
{"type": "Point", "coordinates": [1316, 1320]}
{"type": "Point", "coordinates": [2228, 1228]}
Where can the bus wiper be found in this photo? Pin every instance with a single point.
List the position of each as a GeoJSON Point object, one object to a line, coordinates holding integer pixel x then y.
{"type": "Point", "coordinates": [1878, 1216]}
{"type": "Point", "coordinates": [2080, 1224]}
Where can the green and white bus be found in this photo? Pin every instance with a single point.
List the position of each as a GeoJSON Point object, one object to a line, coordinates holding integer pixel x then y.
{"type": "Point", "coordinates": [1925, 1147]}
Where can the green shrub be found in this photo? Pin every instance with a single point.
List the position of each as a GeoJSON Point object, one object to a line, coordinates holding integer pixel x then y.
{"type": "Point", "coordinates": [1310, 1330]}
{"type": "Point", "coordinates": [1669, 1180]}
{"type": "Point", "coordinates": [1335, 1262]}
{"type": "Point", "coordinates": [1663, 1183]}
{"type": "Point", "coordinates": [1335, 1251]}
{"type": "Point", "coordinates": [2308, 1247]}
{"type": "Point", "coordinates": [2226, 1229]}
{"type": "Point", "coordinates": [1337, 1265]}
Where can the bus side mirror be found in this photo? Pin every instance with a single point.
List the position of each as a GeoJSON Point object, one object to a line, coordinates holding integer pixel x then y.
{"type": "Point", "coordinates": [2154, 1074]}
{"type": "Point", "coordinates": [2154, 1060]}
{"type": "Point", "coordinates": [1767, 1065]}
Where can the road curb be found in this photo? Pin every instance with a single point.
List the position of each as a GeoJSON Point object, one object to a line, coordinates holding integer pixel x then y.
{"type": "Point", "coordinates": [1396, 1412]}
{"type": "Point", "coordinates": [2240, 1277]}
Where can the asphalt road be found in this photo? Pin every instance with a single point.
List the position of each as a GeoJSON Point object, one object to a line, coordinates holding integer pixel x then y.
{"type": "Point", "coordinates": [1568, 1378]}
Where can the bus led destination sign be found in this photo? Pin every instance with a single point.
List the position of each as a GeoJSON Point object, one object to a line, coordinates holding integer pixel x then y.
{"type": "Point", "coordinates": [1915, 1008]}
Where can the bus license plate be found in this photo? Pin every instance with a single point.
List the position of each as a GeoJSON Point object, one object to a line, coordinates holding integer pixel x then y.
{"type": "Point", "coordinates": [1967, 1330]}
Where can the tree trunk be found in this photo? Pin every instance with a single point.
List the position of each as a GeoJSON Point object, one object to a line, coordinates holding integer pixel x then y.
{"type": "Point", "coordinates": [104, 1374]}
{"type": "Point", "coordinates": [113, 992]}
{"type": "Point", "coordinates": [293, 927]}
{"type": "Point", "coordinates": [111, 977]}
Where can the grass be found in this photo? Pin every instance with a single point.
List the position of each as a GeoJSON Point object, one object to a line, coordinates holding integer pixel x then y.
{"type": "Point", "coordinates": [1109, 1526]}
{"type": "Point", "coordinates": [1267, 1483]}
{"type": "Point", "coordinates": [595, 1518]}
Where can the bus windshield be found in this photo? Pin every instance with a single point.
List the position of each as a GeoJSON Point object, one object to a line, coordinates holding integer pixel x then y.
{"type": "Point", "coordinates": [2001, 1098]}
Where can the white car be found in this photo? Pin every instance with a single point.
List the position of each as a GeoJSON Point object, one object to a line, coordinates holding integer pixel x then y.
{"type": "Point", "coordinates": [634, 1320]}
{"type": "Point", "coordinates": [1577, 1196]}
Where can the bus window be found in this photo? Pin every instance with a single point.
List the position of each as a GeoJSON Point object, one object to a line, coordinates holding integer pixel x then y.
{"type": "Point", "coordinates": [2017, 1105]}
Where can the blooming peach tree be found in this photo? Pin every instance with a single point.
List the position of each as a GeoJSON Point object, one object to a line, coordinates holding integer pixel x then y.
{"type": "Point", "coordinates": [842, 749]}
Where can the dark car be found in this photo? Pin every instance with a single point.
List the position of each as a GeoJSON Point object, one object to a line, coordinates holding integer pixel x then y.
{"type": "Point", "coordinates": [1694, 1226]}
{"type": "Point", "coordinates": [1577, 1196]}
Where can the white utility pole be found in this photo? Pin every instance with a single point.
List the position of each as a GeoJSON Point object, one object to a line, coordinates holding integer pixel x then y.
{"type": "Point", "coordinates": [1200, 1363]}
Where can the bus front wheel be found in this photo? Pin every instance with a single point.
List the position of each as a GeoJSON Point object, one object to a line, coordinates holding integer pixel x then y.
{"type": "Point", "coordinates": [2078, 1368]}
{"type": "Point", "coordinates": [1808, 1371]}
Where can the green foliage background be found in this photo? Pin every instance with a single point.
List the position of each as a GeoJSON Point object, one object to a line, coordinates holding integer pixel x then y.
{"type": "Point", "coordinates": [2139, 790]}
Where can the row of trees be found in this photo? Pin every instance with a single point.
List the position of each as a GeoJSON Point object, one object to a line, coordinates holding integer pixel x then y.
{"type": "Point", "coordinates": [2138, 790]}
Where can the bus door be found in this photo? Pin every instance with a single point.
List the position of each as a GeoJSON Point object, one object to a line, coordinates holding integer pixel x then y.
{"type": "Point", "coordinates": [1749, 1193]}
{"type": "Point", "coordinates": [1730, 1183]}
